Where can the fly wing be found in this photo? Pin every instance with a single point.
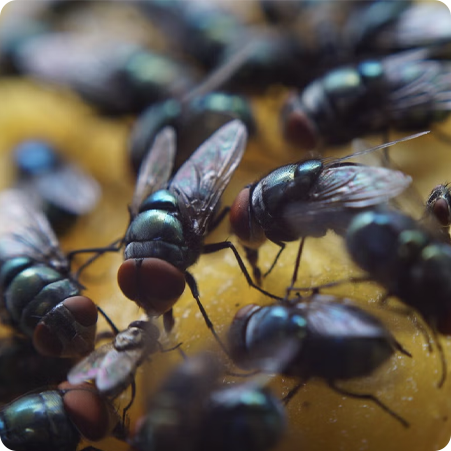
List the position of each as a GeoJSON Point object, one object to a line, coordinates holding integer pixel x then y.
{"type": "Point", "coordinates": [327, 318]}
{"type": "Point", "coordinates": [69, 188]}
{"type": "Point", "coordinates": [25, 231]}
{"type": "Point", "coordinates": [345, 188]}
{"type": "Point", "coordinates": [86, 64]}
{"type": "Point", "coordinates": [155, 169]}
{"type": "Point", "coordinates": [420, 25]}
{"type": "Point", "coordinates": [89, 368]}
{"type": "Point", "coordinates": [117, 371]}
{"type": "Point", "coordinates": [418, 88]}
{"type": "Point", "coordinates": [202, 179]}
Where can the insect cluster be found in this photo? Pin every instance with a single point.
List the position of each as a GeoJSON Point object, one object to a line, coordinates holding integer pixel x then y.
{"type": "Point", "coordinates": [155, 152]}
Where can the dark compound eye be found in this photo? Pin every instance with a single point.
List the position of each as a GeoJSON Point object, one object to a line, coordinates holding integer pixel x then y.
{"type": "Point", "coordinates": [152, 283]}
{"type": "Point", "coordinates": [298, 128]}
{"type": "Point", "coordinates": [440, 210]}
{"type": "Point", "coordinates": [92, 415]}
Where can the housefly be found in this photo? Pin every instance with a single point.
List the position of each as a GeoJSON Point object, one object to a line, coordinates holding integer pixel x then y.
{"type": "Point", "coordinates": [116, 76]}
{"type": "Point", "coordinates": [113, 365]}
{"type": "Point", "coordinates": [61, 189]}
{"type": "Point", "coordinates": [408, 261]}
{"type": "Point", "coordinates": [191, 411]}
{"type": "Point", "coordinates": [194, 118]}
{"type": "Point", "coordinates": [57, 419]}
{"type": "Point", "coordinates": [40, 297]}
{"type": "Point", "coordinates": [405, 91]}
{"type": "Point", "coordinates": [308, 199]}
{"type": "Point", "coordinates": [336, 341]}
{"type": "Point", "coordinates": [438, 207]}
{"type": "Point", "coordinates": [169, 221]}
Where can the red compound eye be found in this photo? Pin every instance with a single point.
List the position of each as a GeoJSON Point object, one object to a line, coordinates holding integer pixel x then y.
{"type": "Point", "coordinates": [298, 129]}
{"type": "Point", "coordinates": [90, 412]}
{"type": "Point", "coordinates": [53, 338]}
{"type": "Point", "coordinates": [441, 211]}
{"type": "Point", "coordinates": [247, 230]}
{"type": "Point", "coordinates": [154, 284]}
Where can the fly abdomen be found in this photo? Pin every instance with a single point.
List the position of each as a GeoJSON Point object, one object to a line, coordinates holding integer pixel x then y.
{"type": "Point", "coordinates": [33, 293]}
{"type": "Point", "coordinates": [346, 357]}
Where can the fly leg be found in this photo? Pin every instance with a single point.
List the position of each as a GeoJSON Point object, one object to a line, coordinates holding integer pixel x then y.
{"type": "Point", "coordinates": [130, 403]}
{"type": "Point", "coordinates": [115, 246]}
{"type": "Point", "coordinates": [412, 316]}
{"type": "Point", "coordinates": [292, 393]}
{"type": "Point", "coordinates": [442, 357]}
{"type": "Point", "coordinates": [282, 247]}
{"type": "Point", "coordinates": [195, 292]}
{"type": "Point", "coordinates": [252, 258]}
{"type": "Point", "coordinates": [371, 398]}
{"type": "Point", "coordinates": [108, 320]}
{"type": "Point", "coordinates": [214, 247]}
{"type": "Point", "coordinates": [296, 268]}
{"type": "Point", "coordinates": [168, 321]}
{"type": "Point", "coordinates": [317, 288]}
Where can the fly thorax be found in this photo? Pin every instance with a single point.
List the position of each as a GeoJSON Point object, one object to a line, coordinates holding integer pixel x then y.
{"type": "Point", "coordinates": [268, 196]}
{"type": "Point", "coordinates": [410, 245]}
{"type": "Point", "coordinates": [271, 329]}
{"type": "Point", "coordinates": [157, 232]}
{"type": "Point", "coordinates": [160, 200]}
{"type": "Point", "coordinates": [130, 338]}
{"type": "Point", "coordinates": [11, 268]}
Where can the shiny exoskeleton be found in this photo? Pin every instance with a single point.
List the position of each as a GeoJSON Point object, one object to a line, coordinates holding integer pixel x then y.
{"type": "Point", "coordinates": [407, 260]}
{"type": "Point", "coordinates": [113, 365]}
{"type": "Point", "coordinates": [194, 121]}
{"type": "Point", "coordinates": [335, 341]}
{"type": "Point", "coordinates": [56, 419]}
{"type": "Point", "coordinates": [169, 221]}
{"type": "Point", "coordinates": [191, 412]}
{"type": "Point", "coordinates": [40, 297]}
{"type": "Point", "coordinates": [404, 91]}
{"type": "Point", "coordinates": [308, 199]}
{"type": "Point", "coordinates": [62, 190]}
{"type": "Point", "coordinates": [438, 206]}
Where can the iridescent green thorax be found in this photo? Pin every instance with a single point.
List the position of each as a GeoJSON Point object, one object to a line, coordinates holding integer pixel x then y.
{"type": "Point", "coordinates": [157, 232]}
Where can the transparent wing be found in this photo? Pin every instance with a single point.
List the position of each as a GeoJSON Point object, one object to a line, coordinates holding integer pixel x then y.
{"type": "Point", "coordinates": [346, 187]}
{"type": "Point", "coordinates": [420, 25]}
{"type": "Point", "coordinates": [117, 370]}
{"type": "Point", "coordinates": [328, 318]}
{"type": "Point", "coordinates": [89, 368]}
{"type": "Point", "coordinates": [25, 231]}
{"type": "Point", "coordinates": [69, 188]}
{"type": "Point", "coordinates": [87, 64]}
{"type": "Point", "coordinates": [155, 168]}
{"type": "Point", "coordinates": [202, 179]}
{"type": "Point", "coordinates": [418, 87]}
